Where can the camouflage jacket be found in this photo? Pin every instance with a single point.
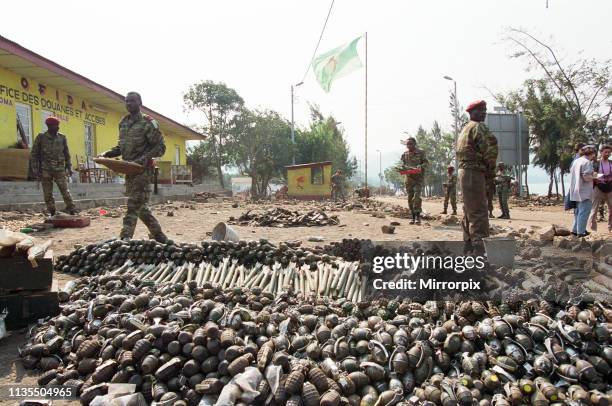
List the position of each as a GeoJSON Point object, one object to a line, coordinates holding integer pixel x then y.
{"type": "Point", "coordinates": [140, 140]}
{"type": "Point", "coordinates": [50, 153]}
{"type": "Point", "coordinates": [477, 148]}
{"type": "Point", "coordinates": [451, 182]}
{"type": "Point", "coordinates": [416, 159]}
{"type": "Point", "coordinates": [503, 180]}
{"type": "Point", "coordinates": [337, 180]}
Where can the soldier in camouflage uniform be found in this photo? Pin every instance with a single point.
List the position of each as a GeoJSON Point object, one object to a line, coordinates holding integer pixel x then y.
{"type": "Point", "coordinates": [490, 195]}
{"type": "Point", "coordinates": [414, 159]}
{"type": "Point", "coordinates": [450, 191]}
{"type": "Point", "coordinates": [140, 140]}
{"type": "Point", "coordinates": [50, 161]}
{"type": "Point", "coordinates": [476, 155]}
{"type": "Point", "coordinates": [503, 181]}
{"type": "Point", "coordinates": [337, 184]}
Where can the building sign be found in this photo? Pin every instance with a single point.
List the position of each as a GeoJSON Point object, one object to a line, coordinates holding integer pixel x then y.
{"type": "Point", "coordinates": [63, 107]}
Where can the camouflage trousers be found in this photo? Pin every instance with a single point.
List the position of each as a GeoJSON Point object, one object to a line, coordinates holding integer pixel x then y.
{"type": "Point", "coordinates": [503, 194]}
{"type": "Point", "coordinates": [475, 217]}
{"type": "Point", "coordinates": [490, 195]}
{"type": "Point", "coordinates": [413, 190]}
{"type": "Point", "coordinates": [59, 177]}
{"type": "Point", "coordinates": [337, 192]}
{"type": "Point", "coordinates": [450, 194]}
{"type": "Point", "coordinates": [138, 191]}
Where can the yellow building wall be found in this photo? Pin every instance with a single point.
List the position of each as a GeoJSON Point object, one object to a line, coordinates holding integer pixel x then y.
{"type": "Point", "coordinates": [73, 112]}
{"type": "Point", "coordinates": [300, 186]}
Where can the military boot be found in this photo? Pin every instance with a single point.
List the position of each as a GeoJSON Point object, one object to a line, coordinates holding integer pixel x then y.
{"type": "Point", "coordinates": [418, 219]}
{"type": "Point", "coordinates": [413, 219]}
{"type": "Point", "coordinates": [501, 216]}
{"type": "Point", "coordinates": [491, 216]}
{"type": "Point", "coordinates": [454, 213]}
{"type": "Point", "coordinates": [445, 211]}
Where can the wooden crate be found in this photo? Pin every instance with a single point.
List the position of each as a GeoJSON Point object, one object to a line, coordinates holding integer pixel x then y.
{"type": "Point", "coordinates": [14, 163]}
{"type": "Point", "coordinates": [26, 308]}
{"type": "Point", "coordinates": [17, 274]}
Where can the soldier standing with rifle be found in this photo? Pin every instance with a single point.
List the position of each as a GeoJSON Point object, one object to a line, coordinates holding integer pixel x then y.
{"type": "Point", "coordinates": [50, 161]}
{"type": "Point", "coordinates": [140, 140]}
{"type": "Point", "coordinates": [450, 191]}
{"type": "Point", "coordinates": [414, 165]}
{"type": "Point", "coordinates": [503, 181]}
{"type": "Point", "coordinates": [476, 154]}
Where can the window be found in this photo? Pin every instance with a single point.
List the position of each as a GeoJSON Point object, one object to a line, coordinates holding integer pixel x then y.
{"type": "Point", "coordinates": [24, 122]}
{"type": "Point", "coordinates": [177, 155]}
{"type": "Point", "coordinates": [316, 175]}
{"type": "Point", "coordinates": [44, 115]}
{"type": "Point", "coordinates": [90, 140]}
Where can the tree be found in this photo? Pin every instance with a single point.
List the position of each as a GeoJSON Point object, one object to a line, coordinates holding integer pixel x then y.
{"type": "Point", "coordinates": [201, 160]}
{"type": "Point", "coordinates": [583, 86]}
{"type": "Point", "coordinates": [324, 141]}
{"type": "Point", "coordinates": [260, 147]}
{"type": "Point", "coordinates": [219, 104]}
{"type": "Point", "coordinates": [393, 177]}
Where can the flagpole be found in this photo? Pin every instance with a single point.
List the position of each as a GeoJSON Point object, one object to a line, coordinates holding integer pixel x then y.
{"type": "Point", "coordinates": [366, 113]}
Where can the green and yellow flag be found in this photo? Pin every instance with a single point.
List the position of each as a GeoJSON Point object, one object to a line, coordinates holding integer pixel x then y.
{"type": "Point", "coordinates": [336, 63]}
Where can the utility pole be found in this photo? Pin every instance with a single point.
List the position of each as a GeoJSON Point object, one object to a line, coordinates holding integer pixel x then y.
{"type": "Point", "coordinates": [292, 120]}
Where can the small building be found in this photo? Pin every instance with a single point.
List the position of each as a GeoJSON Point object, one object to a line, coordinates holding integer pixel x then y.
{"type": "Point", "coordinates": [309, 181]}
{"type": "Point", "coordinates": [33, 88]}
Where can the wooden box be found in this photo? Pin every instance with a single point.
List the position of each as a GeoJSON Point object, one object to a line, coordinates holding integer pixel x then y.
{"type": "Point", "coordinates": [14, 163]}
{"type": "Point", "coordinates": [24, 309]}
{"type": "Point", "coordinates": [17, 274]}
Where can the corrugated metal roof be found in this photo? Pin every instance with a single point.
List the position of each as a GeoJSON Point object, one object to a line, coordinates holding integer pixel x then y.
{"type": "Point", "coordinates": [309, 165]}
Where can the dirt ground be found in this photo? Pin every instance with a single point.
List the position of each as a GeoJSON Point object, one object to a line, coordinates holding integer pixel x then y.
{"type": "Point", "coordinates": [192, 221]}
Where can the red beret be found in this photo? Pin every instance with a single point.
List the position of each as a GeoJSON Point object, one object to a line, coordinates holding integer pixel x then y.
{"type": "Point", "coordinates": [51, 120]}
{"type": "Point", "coordinates": [477, 103]}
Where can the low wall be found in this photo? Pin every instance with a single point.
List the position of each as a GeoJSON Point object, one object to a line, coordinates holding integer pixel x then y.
{"type": "Point", "coordinates": [28, 195]}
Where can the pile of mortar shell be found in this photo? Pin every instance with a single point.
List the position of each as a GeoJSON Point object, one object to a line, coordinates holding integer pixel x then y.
{"type": "Point", "coordinates": [186, 345]}
{"type": "Point", "coordinates": [223, 264]}
{"type": "Point", "coordinates": [281, 217]}
{"type": "Point", "coordinates": [98, 258]}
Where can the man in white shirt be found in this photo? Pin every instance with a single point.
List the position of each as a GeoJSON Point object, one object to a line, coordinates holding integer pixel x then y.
{"type": "Point", "coordinates": [581, 190]}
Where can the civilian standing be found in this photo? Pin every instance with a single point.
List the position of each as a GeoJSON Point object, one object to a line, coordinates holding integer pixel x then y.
{"type": "Point", "coordinates": [581, 190]}
{"type": "Point", "coordinates": [602, 192]}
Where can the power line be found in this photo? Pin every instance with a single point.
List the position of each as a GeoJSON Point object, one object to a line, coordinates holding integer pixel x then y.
{"type": "Point", "coordinates": [319, 42]}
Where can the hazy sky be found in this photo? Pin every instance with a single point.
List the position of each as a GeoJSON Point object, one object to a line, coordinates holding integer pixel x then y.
{"type": "Point", "coordinates": [261, 47]}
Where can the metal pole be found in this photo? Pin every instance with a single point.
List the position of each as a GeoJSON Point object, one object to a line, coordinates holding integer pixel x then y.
{"type": "Point", "coordinates": [520, 153]}
{"type": "Point", "coordinates": [292, 126]}
{"type": "Point", "coordinates": [366, 111]}
{"type": "Point", "coordinates": [456, 122]}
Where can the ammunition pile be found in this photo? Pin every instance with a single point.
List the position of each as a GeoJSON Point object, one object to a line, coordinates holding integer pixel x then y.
{"type": "Point", "coordinates": [184, 344]}
{"type": "Point", "coordinates": [227, 264]}
{"type": "Point", "coordinates": [280, 217]}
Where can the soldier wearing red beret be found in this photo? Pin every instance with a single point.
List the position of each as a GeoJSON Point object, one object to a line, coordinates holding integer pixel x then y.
{"type": "Point", "coordinates": [476, 157]}
{"type": "Point", "coordinates": [50, 159]}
